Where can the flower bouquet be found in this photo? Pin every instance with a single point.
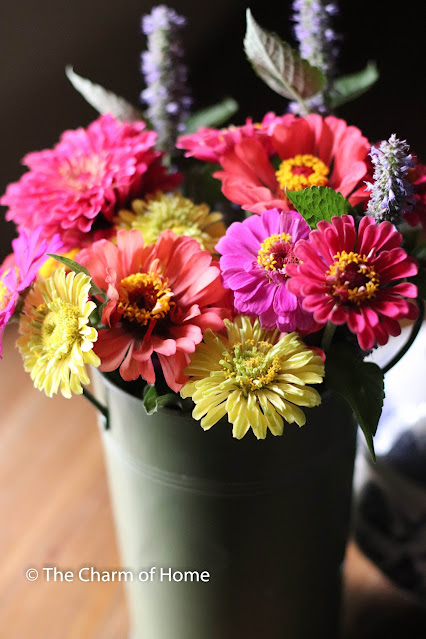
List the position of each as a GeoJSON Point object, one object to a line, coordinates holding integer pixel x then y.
{"type": "Point", "coordinates": [204, 308]}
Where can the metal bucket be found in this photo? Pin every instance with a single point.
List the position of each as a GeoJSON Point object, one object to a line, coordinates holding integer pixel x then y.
{"type": "Point", "coordinates": [229, 539]}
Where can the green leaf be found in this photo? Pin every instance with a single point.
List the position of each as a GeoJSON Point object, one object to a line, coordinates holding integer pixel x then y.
{"type": "Point", "coordinates": [319, 203]}
{"type": "Point", "coordinates": [361, 384]}
{"type": "Point", "coordinates": [152, 401]}
{"type": "Point", "coordinates": [78, 268]}
{"type": "Point", "coordinates": [213, 116]}
{"type": "Point", "coordinates": [419, 252]}
{"type": "Point", "coordinates": [280, 66]}
{"type": "Point", "coordinates": [102, 100]}
{"type": "Point", "coordinates": [348, 87]}
{"type": "Point", "coordinates": [96, 317]}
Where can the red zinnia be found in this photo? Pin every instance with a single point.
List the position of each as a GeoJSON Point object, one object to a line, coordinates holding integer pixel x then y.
{"type": "Point", "coordinates": [312, 151]}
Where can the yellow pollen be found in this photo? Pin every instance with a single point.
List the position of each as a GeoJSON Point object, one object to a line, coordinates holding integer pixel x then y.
{"type": "Point", "coordinates": [143, 297]}
{"type": "Point", "coordinates": [60, 328]}
{"type": "Point", "coordinates": [266, 256]}
{"type": "Point", "coordinates": [301, 172]}
{"type": "Point", "coordinates": [352, 278]}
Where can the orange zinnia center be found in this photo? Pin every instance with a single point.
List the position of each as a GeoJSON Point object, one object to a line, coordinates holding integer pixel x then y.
{"type": "Point", "coordinates": [143, 297]}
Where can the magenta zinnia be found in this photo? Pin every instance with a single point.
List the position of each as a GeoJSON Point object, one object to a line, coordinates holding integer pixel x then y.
{"type": "Point", "coordinates": [86, 177]}
{"type": "Point", "coordinates": [19, 271]}
{"type": "Point", "coordinates": [353, 278]}
{"type": "Point", "coordinates": [255, 254]}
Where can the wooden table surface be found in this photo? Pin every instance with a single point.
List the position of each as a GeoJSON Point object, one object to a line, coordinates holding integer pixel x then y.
{"type": "Point", "coordinates": [55, 511]}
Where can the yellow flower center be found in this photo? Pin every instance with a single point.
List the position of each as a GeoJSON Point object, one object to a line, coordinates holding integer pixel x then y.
{"type": "Point", "coordinates": [352, 278]}
{"type": "Point", "coordinates": [60, 328]}
{"type": "Point", "coordinates": [301, 172]}
{"type": "Point", "coordinates": [143, 297]}
{"type": "Point", "coordinates": [275, 252]}
{"type": "Point", "coordinates": [250, 366]}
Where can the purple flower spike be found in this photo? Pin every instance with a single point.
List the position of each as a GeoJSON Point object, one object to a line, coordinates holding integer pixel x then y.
{"type": "Point", "coordinates": [166, 92]}
{"type": "Point", "coordinates": [317, 42]}
{"type": "Point", "coordinates": [391, 192]}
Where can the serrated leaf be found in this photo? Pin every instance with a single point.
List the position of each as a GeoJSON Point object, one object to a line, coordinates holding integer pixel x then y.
{"type": "Point", "coordinates": [152, 401]}
{"type": "Point", "coordinates": [319, 203]}
{"type": "Point", "coordinates": [280, 66]}
{"type": "Point", "coordinates": [213, 116]}
{"type": "Point", "coordinates": [348, 87]}
{"type": "Point", "coordinates": [102, 100]}
{"type": "Point", "coordinates": [361, 384]}
{"type": "Point", "coordinates": [78, 268]}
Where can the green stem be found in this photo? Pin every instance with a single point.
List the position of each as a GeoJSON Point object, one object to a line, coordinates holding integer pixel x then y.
{"type": "Point", "coordinates": [92, 399]}
{"type": "Point", "coordinates": [414, 332]}
{"type": "Point", "coordinates": [327, 337]}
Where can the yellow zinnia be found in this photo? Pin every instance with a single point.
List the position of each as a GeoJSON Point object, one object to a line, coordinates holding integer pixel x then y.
{"type": "Point", "coordinates": [161, 211]}
{"type": "Point", "coordinates": [256, 376]}
{"type": "Point", "coordinates": [56, 339]}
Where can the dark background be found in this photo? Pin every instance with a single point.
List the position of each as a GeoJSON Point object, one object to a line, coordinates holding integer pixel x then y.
{"type": "Point", "coordinates": [103, 41]}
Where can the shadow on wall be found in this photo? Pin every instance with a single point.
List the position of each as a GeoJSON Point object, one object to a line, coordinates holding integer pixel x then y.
{"type": "Point", "coordinates": [104, 43]}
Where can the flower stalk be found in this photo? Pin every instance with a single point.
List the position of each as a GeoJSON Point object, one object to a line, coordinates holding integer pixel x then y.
{"type": "Point", "coordinates": [391, 192]}
{"type": "Point", "coordinates": [166, 92]}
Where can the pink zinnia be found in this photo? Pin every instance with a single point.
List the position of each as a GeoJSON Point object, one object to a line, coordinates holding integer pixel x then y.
{"type": "Point", "coordinates": [255, 254]}
{"type": "Point", "coordinates": [19, 270]}
{"type": "Point", "coordinates": [347, 277]}
{"type": "Point", "coordinates": [162, 297]}
{"type": "Point", "coordinates": [211, 144]}
{"type": "Point", "coordinates": [311, 151]}
{"type": "Point", "coordinates": [87, 176]}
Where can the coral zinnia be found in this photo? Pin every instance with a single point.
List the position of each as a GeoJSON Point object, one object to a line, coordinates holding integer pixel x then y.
{"type": "Point", "coordinates": [255, 254]}
{"type": "Point", "coordinates": [87, 176]}
{"type": "Point", "coordinates": [56, 339]}
{"type": "Point", "coordinates": [311, 151]}
{"type": "Point", "coordinates": [347, 277]}
{"type": "Point", "coordinates": [161, 211]}
{"type": "Point", "coordinates": [20, 269]}
{"type": "Point", "coordinates": [162, 297]}
{"type": "Point", "coordinates": [253, 376]}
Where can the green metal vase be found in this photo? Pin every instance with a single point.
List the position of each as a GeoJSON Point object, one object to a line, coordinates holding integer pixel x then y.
{"type": "Point", "coordinates": [229, 539]}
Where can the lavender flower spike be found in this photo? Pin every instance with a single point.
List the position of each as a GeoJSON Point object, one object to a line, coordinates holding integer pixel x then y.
{"type": "Point", "coordinates": [166, 92]}
{"type": "Point", "coordinates": [317, 41]}
{"type": "Point", "coordinates": [391, 193]}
